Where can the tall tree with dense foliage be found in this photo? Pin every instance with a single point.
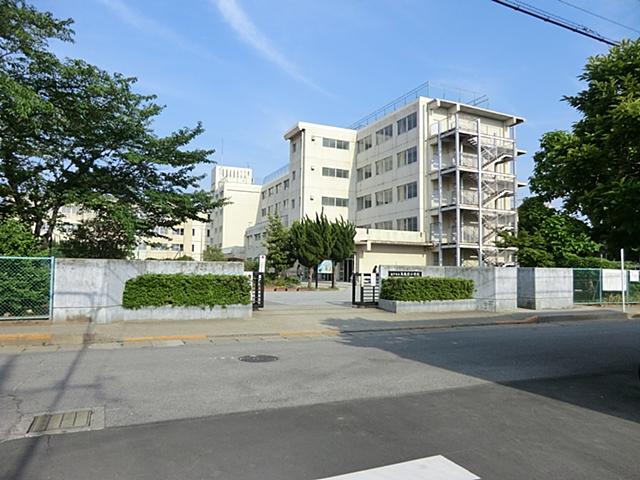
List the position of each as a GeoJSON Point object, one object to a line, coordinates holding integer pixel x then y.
{"type": "Point", "coordinates": [71, 133]}
{"type": "Point", "coordinates": [595, 169]}
{"type": "Point", "coordinates": [278, 243]}
{"type": "Point", "coordinates": [343, 245]}
{"type": "Point", "coordinates": [547, 237]}
{"type": "Point", "coordinates": [309, 246]}
{"type": "Point", "coordinates": [16, 240]}
{"type": "Point", "coordinates": [213, 254]}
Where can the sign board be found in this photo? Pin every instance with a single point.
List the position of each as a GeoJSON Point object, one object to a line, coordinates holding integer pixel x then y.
{"type": "Point", "coordinates": [634, 275]}
{"type": "Point", "coordinates": [262, 263]}
{"type": "Point", "coordinates": [612, 280]}
{"type": "Point", "coordinates": [405, 273]}
{"type": "Point", "coordinates": [325, 267]}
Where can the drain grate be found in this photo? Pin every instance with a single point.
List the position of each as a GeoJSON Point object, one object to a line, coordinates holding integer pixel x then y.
{"type": "Point", "coordinates": [60, 422]}
{"type": "Point", "coordinates": [258, 358]}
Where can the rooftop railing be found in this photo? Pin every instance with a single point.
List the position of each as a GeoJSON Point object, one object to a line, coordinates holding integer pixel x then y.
{"type": "Point", "coordinates": [280, 172]}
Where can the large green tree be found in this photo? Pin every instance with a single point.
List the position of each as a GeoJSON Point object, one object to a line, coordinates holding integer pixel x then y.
{"type": "Point", "coordinates": [71, 133]}
{"type": "Point", "coordinates": [279, 248]}
{"type": "Point", "coordinates": [595, 168]}
{"type": "Point", "coordinates": [309, 245]}
{"type": "Point", "coordinates": [547, 237]}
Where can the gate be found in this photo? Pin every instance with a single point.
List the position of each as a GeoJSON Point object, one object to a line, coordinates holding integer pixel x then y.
{"type": "Point", "coordinates": [365, 289]}
{"type": "Point", "coordinates": [26, 287]}
{"type": "Point", "coordinates": [257, 290]}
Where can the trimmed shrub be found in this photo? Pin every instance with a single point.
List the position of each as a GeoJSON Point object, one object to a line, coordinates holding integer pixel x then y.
{"type": "Point", "coordinates": [419, 289]}
{"type": "Point", "coordinates": [181, 290]}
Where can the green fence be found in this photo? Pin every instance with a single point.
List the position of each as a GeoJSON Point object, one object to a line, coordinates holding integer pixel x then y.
{"type": "Point", "coordinates": [598, 286]}
{"type": "Point", "coordinates": [26, 287]}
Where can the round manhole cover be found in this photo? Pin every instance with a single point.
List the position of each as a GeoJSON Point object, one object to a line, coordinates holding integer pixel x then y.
{"type": "Point", "coordinates": [258, 358]}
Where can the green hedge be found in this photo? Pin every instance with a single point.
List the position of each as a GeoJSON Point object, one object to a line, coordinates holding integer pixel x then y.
{"type": "Point", "coordinates": [419, 289]}
{"type": "Point", "coordinates": [156, 290]}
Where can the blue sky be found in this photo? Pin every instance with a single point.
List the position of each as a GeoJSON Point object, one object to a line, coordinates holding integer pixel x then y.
{"type": "Point", "coordinates": [250, 69]}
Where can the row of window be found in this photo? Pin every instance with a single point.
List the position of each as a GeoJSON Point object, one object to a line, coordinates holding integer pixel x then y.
{"type": "Point", "coordinates": [384, 197]}
{"type": "Point", "coordinates": [335, 172]}
{"type": "Point", "coordinates": [335, 143]}
{"type": "Point", "coordinates": [277, 188]}
{"type": "Point", "coordinates": [274, 209]}
{"type": "Point", "coordinates": [408, 224]}
{"type": "Point", "coordinates": [405, 157]}
{"type": "Point", "coordinates": [386, 133]}
{"type": "Point", "coordinates": [335, 202]}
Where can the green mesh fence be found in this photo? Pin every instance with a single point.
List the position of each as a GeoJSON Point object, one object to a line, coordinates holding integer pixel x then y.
{"type": "Point", "coordinates": [589, 288]}
{"type": "Point", "coordinates": [26, 285]}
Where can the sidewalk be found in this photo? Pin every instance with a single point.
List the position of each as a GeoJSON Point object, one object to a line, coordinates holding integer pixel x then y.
{"type": "Point", "coordinates": [274, 322]}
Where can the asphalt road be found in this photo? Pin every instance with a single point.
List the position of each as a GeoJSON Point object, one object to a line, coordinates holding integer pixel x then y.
{"type": "Point", "coordinates": [546, 401]}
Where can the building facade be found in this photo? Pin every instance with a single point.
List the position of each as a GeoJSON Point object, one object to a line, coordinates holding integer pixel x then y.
{"type": "Point", "coordinates": [431, 182]}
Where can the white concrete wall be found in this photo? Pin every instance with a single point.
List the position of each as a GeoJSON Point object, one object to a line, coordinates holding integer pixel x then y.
{"type": "Point", "coordinates": [88, 289]}
{"type": "Point", "coordinates": [545, 288]}
{"type": "Point", "coordinates": [495, 289]}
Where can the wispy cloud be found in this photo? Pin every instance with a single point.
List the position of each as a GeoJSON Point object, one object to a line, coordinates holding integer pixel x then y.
{"type": "Point", "coordinates": [153, 27]}
{"type": "Point", "coordinates": [239, 21]}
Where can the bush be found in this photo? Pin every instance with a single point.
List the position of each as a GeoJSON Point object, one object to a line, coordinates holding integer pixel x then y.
{"type": "Point", "coordinates": [286, 282]}
{"type": "Point", "coordinates": [417, 289]}
{"type": "Point", "coordinates": [157, 290]}
{"type": "Point", "coordinates": [574, 261]}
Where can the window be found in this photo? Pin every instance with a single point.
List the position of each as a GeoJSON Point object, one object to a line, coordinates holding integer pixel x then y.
{"type": "Point", "coordinates": [293, 176]}
{"type": "Point", "coordinates": [335, 172]}
{"type": "Point", "coordinates": [264, 195]}
{"type": "Point", "coordinates": [384, 165]}
{"type": "Point", "coordinates": [278, 187]}
{"type": "Point", "coordinates": [208, 232]}
{"type": "Point", "coordinates": [193, 232]}
{"type": "Point", "coordinates": [270, 191]}
{"type": "Point", "coordinates": [386, 225]}
{"type": "Point", "coordinates": [294, 147]}
{"type": "Point", "coordinates": [364, 144]}
{"type": "Point", "coordinates": [407, 191]}
{"type": "Point", "coordinates": [177, 247]}
{"type": "Point", "coordinates": [293, 203]}
{"type": "Point", "coordinates": [409, 224]}
{"type": "Point", "coordinates": [335, 143]}
{"type": "Point", "coordinates": [285, 203]}
{"type": "Point", "coordinates": [384, 197]}
{"type": "Point", "coordinates": [335, 202]}
{"type": "Point", "coordinates": [407, 157]}
{"type": "Point", "coordinates": [363, 173]}
{"type": "Point", "coordinates": [363, 202]}
{"type": "Point", "coordinates": [384, 134]}
{"type": "Point", "coordinates": [407, 123]}
{"type": "Point", "coordinates": [285, 184]}
{"type": "Point", "coordinates": [264, 212]}
{"type": "Point", "coordinates": [193, 248]}
{"type": "Point", "coordinates": [178, 231]}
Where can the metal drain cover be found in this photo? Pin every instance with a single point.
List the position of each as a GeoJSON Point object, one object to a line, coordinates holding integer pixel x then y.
{"type": "Point", "coordinates": [60, 422]}
{"type": "Point", "coordinates": [258, 358]}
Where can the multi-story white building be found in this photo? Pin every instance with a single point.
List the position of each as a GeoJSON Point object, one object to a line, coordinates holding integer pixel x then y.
{"type": "Point", "coordinates": [430, 182]}
{"type": "Point", "coordinates": [226, 229]}
{"type": "Point", "coordinates": [186, 239]}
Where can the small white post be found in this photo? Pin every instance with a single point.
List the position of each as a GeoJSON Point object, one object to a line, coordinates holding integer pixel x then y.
{"type": "Point", "coordinates": [622, 275]}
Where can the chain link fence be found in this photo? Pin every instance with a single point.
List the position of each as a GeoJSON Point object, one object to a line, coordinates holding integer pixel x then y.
{"type": "Point", "coordinates": [601, 286]}
{"type": "Point", "coordinates": [26, 287]}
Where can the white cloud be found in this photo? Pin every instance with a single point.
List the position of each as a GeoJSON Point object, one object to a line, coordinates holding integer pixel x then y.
{"type": "Point", "coordinates": [152, 27]}
{"type": "Point", "coordinates": [236, 17]}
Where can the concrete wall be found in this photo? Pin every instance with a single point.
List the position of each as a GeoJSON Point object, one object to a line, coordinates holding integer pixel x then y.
{"type": "Point", "coordinates": [428, 307]}
{"type": "Point", "coordinates": [87, 289]}
{"type": "Point", "coordinates": [545, 288]}
{"type": "Point", "coordinates": [495, 288]}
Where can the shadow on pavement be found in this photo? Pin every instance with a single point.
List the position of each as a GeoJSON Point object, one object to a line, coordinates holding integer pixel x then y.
{"type": "Point", "coordinates": [584, 364]}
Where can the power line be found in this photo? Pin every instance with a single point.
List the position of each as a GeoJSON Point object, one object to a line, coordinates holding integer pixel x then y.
{"type": "Point", "coordinates": [555, 19]}
{"type": "Point", "coordinates": [599, 16]}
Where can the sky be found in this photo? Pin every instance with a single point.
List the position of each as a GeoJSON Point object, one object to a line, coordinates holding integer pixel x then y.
{"type": "Point", "coordinates": [250, 69]}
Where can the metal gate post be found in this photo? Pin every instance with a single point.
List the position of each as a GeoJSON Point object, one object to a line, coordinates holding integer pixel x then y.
{"type": "Point", "coordinates": [52, 274]}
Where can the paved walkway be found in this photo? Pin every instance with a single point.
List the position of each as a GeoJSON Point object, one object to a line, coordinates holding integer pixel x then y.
{"type": "Point", "coordinates": [327, 316]}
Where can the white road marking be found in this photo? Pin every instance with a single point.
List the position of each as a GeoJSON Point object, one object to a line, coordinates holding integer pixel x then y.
{"type": "Point", "coordinates": [430, 468]}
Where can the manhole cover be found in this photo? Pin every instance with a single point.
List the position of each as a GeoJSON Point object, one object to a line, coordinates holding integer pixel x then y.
{"type": "Point", "coordinates": [60, 422]}
{"type": "Point", "coordinates": [258, 358]}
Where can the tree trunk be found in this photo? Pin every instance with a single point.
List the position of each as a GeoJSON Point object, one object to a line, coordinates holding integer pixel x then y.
{"type": "Point", "coordinates": [310, 278]}
{"type": "Point", "coordinates": [333, 274]}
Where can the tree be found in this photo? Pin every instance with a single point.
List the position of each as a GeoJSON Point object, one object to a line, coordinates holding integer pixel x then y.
{"type": "Point", "coordinates": [343, 245]}
{"type": "Point", "coordinates": [213, 254]}
{"type": "Point", "coordinates": [109, 234]}
{"type": "Point", "coordinates": [309, 246]}
{"type": "Point", "coordinates": [548, 238]}
{"type": "Point", "coordinates": [595, 169]}
{"type": "Point", "coordinates": [278, 243]}
{"type": "Point", "coordinates": [16, 240]}
{"type": "Point", "coordinates": [71, 133]}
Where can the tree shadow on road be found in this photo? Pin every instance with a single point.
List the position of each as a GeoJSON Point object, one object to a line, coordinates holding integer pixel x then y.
{"type": "Point", "coordinates": [581, 364]}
